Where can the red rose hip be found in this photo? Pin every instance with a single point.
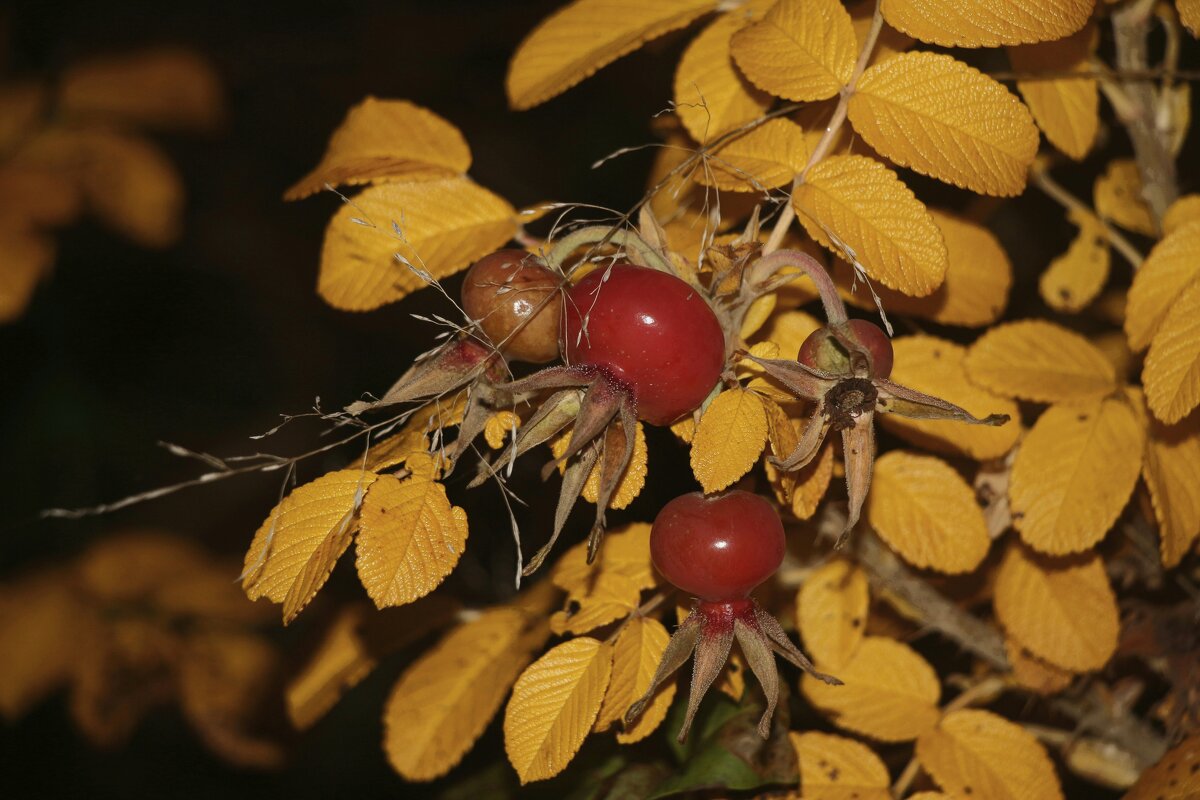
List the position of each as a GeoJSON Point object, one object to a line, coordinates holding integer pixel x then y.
{"type": "Point", "coordinates": [717, 548]}
{"type": "Point", "coordinates": [822, 351]}
{"type": "Point", "coordinates": [652, 332]}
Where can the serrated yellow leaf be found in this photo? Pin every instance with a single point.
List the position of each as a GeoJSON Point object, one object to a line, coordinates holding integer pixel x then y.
{"type": "Point", "coordinates": [440, 226]}
{"type": "Point", "coordinates": [978, 277]}
{"type": "Point", "coordinates": [296, 547]}
{"type": "Point", "coordinates": [498, 428]}
{"type": "Point", "coordinates": [387, 140]}
{"type": "Point", "coordinates": [1170, 270]}
{"type": "Point", "coordinates": [711, 96]}
{"type": "Point", "coordinates": [1066, 109]}
{"type": "Point", "coordinates": [1117, 196]}
{"type": "Point", "coordinates": [763, 158]}
{"type": "Point", "coordinates": [606, 597]}
{"type": "Point", "coordinates": [872, 212]}
{"type": "Point", "coordinates": [127, 181]}
{"type": "Point", "coordinates": [341, 661]}
{"type": "Point", "coordinates": [831, 613]}
{"type": "Point", "coordinates": [812, 482]}
{"type": "Point", "coordinates": [163, 87]}
{"type": "Point", "coordinates": [801, 50]}
{"type": "Point", "coordinates": [1074, 279]}
{"type": "Point", "coordinates": [1189, 15]}
{"type": "Point", "coordinates": [986, 23]}
{"type": "Point", "coordinates": [890, 693]}
{"type": "Point", "coordinates": [553, 706]}
{"type": "Point", "coordinates": [980, 754]}
{"type": "Point", "coordinates": [757, 314]}
{"type": "Point", "coordinates": [927, 513]}
{"type": "Point", "coordinates": [942, 118]}
{"type": "Point", "coordinates": [935, 366]}
{"type": "Point", "coordinates": [729, 438]}
{"type": "Point", "coordinates": [837, 768]}
{"type": "Point", "coordinates": [1062, 610]}
{"type": "Point", "coordinates": [1073, 474]}
{"type": "Point", "coordinates": [582, 37]}
{"type": "Point", "coordinates": [1033, 673]}
{"type": "Point", "coordinates": [632, 481]}
{"type": "Point", "coordinates": [1175, 776]}
{"type": "Point", "coordinates": [636, 654]}
{"type": "Point", "coordinates": [1172, 474]}
{"type": "Point", "coordinates": [410, 539]}
{"type": "Point", "coordinates": [1172, 372]}
{"type": "Point", "coordinates": [1037, 360]}
{"type": "Point", "coordinates": [626, 551]}
{"type": "Point", "coordinates": [444, 701]}
{"type": "Point", "coordinates": [1184, 210]}
{"type": "Point", "coordinates": [25, 256]}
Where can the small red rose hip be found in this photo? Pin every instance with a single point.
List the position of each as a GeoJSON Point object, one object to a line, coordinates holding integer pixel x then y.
{"type": "Point", "coordinates": [506, 288]}
{"type": "Point", "coordinates": [717, 548]}
{"type": "Point", "coordinates": [650, 331]}
{"type": "Point", "coordinates": [822, 351]}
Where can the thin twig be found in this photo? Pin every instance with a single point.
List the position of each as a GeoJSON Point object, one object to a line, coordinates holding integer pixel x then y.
{"type": "Point", "coordinates": [1057, 193]}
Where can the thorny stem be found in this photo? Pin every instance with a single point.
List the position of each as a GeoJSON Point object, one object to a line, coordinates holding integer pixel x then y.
{"type": "Point", "coordinates": [1157, 168]}
{"type": "Point", "coordinates": [1057, 193]}
{"type": "Point", "coordinates": [602, 234]}
{"type": "Point", "coordinates": [831, 131]}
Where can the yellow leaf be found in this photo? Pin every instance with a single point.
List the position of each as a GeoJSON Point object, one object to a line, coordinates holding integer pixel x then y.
{"type": "Point", "coordinates": [626, 552]}
{"type": "Point", "coordinates": [607, 597]}
{"type": "Point", "coordinates": [729, 439]}
{"type": "Point", "coordinates": [986, 23]}
{"type": "Point", "coordinates": [836, 768]}
{"type": "Point", "coordinates": [811, 484]}
{"type": "Point", "coordinates": [890, 692]}
{"type": "Point", "coordinates": [636, 654]}
{"type": "Point", "coordinates": [22, 110]}
{"type": "Point", "coordinates": [580, 38]}
{"type": "Point", "coordinates": [632, 481]}
{"type": "Point", "coordinates": [387, 140]}
{"type": "Point", "coordinates": [1172, 372]}
{"type": "Point", "coordinates": [927, 513]}
{"type": "Point", "coordinates": [762, 158]}
{"type": "Point", "coordinates": [980, 754]}
{"type": "Point", "coordinates": [295, 549]}
{"type": "Point", "coordinates": [341, 662]}
{"type": "Point", "coordinates": [1074, 279]}
{"type": "Point", "coordinates": [732, 681]}
{"type": "Point", "coordinates": [440, 226]}
{"type": "Point", "coordinates": [1033, 673]}
{"type": "Point", "coordinates": [25, 256]}
{"type": "Point", "coordinates": [1189, 15]}
{"type": "Point", "coordinates": [802, 50]}
{"type": "Point", "coordinates": [1062, 610]}
{"type": "Point", "coordinates": [831, 613]}
{"type": "Point", "coordinates": [444, 701]}
{"type": "Point", "coordinates": [40, 617]}
{"type": "Point", "coordinates": [936, 367]}
{"type": "Point", "coordinates": [553, 706]}
{"type": "Point", "coordinates": [1066, 109]}
{"type": "Point", "coordinates": [163, 88]}
{"type": "Point", "coordinates": [1037, 360]}
{"type": "Point", "coordinates": [413, 440]}
{"type": "Point", "coordinates": [870, 211]}
{"type": "Point", "coordinates": [37, 196]}
{"type": "Point", "coordinates": [498, 427]}
{"type": "Point", "coordinates": [1174, 777]}
{"type": "Point", "coordinates": [942, 118]}
{"type": "Point", "coordinates": [226, 682]}
{"type": "Point", "coordinates": [1172, 474]}
{"type": "Point", "coordinates": [1171, 268]}
{"type": "Point", "coordinates": [128, 182]}
{"type": "Point", "coordinates": [1184, 210]}
{"type": "Point", "coordinates": [711, 96]}
{"type": "Point", "coordinates": [411, 538]}
{"type": "Point", "coordinates": [890, 41]}
{"type": "Point", "coordinates": [978, 277]}
{"type": "Point", "coordinates": [1117, 196]}
{"type": "Point", "coordinates": [757, 314]}
{"type": "Point", "coordinates": [1073, 474]}
{"type": "Point", "coordinates": [131, 567]}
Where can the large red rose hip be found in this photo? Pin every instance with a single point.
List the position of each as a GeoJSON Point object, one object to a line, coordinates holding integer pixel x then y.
{"type": "Point", "coordinates": [717, 548]}
{"type": "Point", "coordinates": [650, 331]}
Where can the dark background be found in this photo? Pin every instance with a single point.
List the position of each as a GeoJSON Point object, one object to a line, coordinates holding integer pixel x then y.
{"type": "Point", "coordinates": [206, 343]}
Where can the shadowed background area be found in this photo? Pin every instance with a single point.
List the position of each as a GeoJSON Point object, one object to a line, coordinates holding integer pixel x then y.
{"type": "Point", "coordinates": [207, 342]}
